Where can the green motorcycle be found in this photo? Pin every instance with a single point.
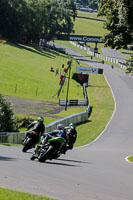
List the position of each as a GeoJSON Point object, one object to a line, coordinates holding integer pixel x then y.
{"type": "Point", "coordinates": [50, 149]}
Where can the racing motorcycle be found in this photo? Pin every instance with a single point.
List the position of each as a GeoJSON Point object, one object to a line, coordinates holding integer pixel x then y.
{"type": "Point", "coordinates": [29, 141]}
{"type": "Point", "coordinates": [50, 149]}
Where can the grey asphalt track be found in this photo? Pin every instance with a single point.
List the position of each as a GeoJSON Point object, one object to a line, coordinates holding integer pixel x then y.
{"type": "Point", "coordinates": [97, 171]}
{"type": "Point", "coordinates": [115, 54]}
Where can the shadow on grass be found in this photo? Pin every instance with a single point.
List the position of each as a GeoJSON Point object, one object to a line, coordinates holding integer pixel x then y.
{"type": "Point", "coordinates": [35, 49]}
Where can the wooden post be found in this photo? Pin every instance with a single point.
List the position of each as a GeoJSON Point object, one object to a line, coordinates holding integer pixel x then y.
{"type": "Point", "coordinates": [68, 84]}
{"type": "Point", "coordinates": [16, 88]}
{"type": "Point", "coordinates": [36, 91]}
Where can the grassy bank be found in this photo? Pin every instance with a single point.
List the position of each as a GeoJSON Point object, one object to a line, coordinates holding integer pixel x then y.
{"type": "Point", "coordinates": [7, 194]}
{"type": "Point", "coordinates": [29, 68]}
{"type": "Point", "coordinates": [93, 15]}
{"type": "Point", "coordinates": [25, 72]}
{"type": "Point", "coordinates": [130, 158]}
{"type": "Point", "coordinates": [102, 105]}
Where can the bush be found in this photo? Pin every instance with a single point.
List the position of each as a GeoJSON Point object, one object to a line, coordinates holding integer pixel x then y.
{"type": "Point", "coordinates": [24, 122]}
{"type": "Point", "coordinates": [8, 120]}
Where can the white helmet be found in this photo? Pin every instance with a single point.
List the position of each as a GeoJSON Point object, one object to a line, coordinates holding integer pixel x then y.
{"type": "Point", "coordinates": [60, 127]}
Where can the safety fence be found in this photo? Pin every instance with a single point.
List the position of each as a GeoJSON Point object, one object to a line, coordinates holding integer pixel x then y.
{"type": "Point", "coordinates": [78, 118]}
{"type": "Point", "coordinates": [76, 102]}
{"type": "Point", "coordinates": [73, 102]}
{"type": "Point", "coordinates": [102, 57]}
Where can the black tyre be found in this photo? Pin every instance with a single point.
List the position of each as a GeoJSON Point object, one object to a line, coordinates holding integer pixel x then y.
{"type": "Point", "coordinates": [33, 157]}
{"type": "Point", "coordinates": [45, 155]}
{"type": "Point", "coordinates": [27, 145]}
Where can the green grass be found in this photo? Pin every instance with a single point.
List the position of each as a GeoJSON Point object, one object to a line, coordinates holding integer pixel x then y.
{"type": "Point", "coordinates": [26, 69]}
{"type": "Point", "coordinates": [90, 15]}
{"type": "Point", "coordinates": [130, 158]}
{"type": "Point", "coordinates": [10, 144]}
{"type": "Point", "coordinates": [88, 27]}
{"type": "Point", "coordinates": [102, 105]}
{"type": "Point", "coordinates": [126, 50]}
{"type": "Point", "coordinates": [7, 194]}
{"type": "Point", "coordinates": [25, 72]}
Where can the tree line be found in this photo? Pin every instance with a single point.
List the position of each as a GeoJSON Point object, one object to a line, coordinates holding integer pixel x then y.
{"type": "Point", "coordinates": [119, 22]}
{"type": "Point", "coordinates": [34, 19]}
{"type": "Point", "coordinates": [91, 3]}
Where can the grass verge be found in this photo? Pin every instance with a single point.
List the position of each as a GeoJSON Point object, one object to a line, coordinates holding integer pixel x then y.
{"type": "Point", "coordinates": [130, 158]}
{"type": "Point", "coordinates": [7, 194]}
{"type": "Point", "coordinates": [102, 104]}
{"type": "Point", "coordinates": [13, 69]}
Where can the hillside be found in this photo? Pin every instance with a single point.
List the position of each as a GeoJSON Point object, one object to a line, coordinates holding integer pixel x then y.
{"type": "Point", "coordinates": [25, 77]}
{"type": "Point", "coordinates": [25, 71]}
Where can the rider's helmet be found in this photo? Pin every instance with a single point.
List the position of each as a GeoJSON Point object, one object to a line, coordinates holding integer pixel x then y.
{"type": "Point", "coordinates": [60, 127]}
{"type": "Point", "coordinates": [40, 119]}
{"type": "Point", "coordinates": [72, 125]}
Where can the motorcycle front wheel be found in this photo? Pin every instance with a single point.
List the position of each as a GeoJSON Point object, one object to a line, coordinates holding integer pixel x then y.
{"type": "Point", "coordinates": [45, 155]}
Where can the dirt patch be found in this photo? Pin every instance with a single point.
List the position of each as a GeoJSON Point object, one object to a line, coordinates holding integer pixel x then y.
{"type": "Point", "coordinates": [37, 108]}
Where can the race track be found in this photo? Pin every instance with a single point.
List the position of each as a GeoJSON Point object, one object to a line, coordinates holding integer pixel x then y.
{"type": "Point", "coordinates": [97, 171]}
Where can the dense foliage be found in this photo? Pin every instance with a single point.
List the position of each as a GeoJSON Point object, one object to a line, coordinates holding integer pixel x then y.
{"type": "Point", "coordinates": [129, 64]}
{"type": "Point", "coordinates": [8, 122]}
{"type": "Point", "coordinates": [119, 22]}
{"type": "Point", "coordinates": [91, 3]}
{"type": "Point", "coordinates": [32, 19]}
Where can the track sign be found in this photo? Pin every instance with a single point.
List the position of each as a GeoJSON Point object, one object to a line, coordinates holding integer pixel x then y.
{"type": "Point", "coordinates": [80, 78]}
{"type": "Point", "coordinates": [79, 38]}
{"type": "Point", "coordinates": [89, 70]}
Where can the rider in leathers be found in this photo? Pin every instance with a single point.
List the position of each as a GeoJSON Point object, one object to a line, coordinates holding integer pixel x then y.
{"type": "Point", "coordinates": [37, 126]}
{"type": "Point", "coordinates": [72, 136]}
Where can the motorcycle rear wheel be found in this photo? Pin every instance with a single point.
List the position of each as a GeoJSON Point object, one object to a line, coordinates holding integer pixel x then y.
{"type": "Point", "coordinates": [27, 145]}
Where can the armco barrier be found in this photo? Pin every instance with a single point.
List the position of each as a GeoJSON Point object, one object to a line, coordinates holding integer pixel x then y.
{"type": "Point", "coordinates": [76, 118]}
{"type": "Point", "coordinates": [11, 137]}
{"type": "Point", "coordinates": [73, 102]}
{"type": "Point", "coordinates": [102, 57]}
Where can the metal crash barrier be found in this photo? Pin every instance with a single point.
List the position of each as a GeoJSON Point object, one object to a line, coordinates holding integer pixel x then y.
{"type": "Point", "coordinates": [16, 138]}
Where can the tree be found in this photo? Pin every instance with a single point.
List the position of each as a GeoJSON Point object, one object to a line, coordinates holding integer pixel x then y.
{"type": "Point", "coordinates": [59, 18]}
{"type": "Point", "coordinates": [119, 24]}
{"type": "Point", "coordinates": [82, 2]}
{"type": "Point", "coordinates": [129, 64]}
{"type": "Point", "coordinates": [93, 4]}
{"type": "Point", "coordinates": [12, 18]}
{"type": "Point", "coordinates": [8, 121]}
{"type": "Point", "coordinates": [30, 19]}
